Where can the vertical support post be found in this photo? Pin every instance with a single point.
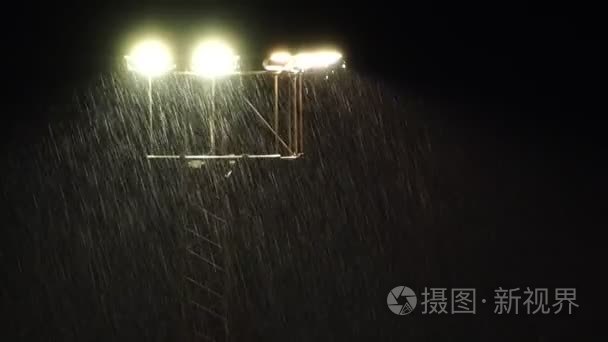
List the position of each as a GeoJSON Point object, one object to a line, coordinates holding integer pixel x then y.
{"type": "Point", "coordinates": [276, 112]}
{"type": "Point", "coordinates": [212, 119]}
{"type": "Point", "coordinates": [150, 112]}
{"type": "Point", "coordinates": [295, 114]}
{"type": "Point", "coordinates": [289, 117]}
{"type": "Point", "coordinates": [301, 113]}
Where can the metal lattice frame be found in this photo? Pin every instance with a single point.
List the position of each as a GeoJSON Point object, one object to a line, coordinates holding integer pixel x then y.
{"type": "Point", "coordinates": [205, 275]}
{"type": "Point", "coordinates": [286, 148]}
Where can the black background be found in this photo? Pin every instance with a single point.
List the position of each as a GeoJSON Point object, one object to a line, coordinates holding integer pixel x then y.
{"type": "Point", "coordinates": [542, 63]}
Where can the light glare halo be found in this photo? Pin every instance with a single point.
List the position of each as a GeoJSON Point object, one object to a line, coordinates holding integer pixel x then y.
{"type": "Point", "coordinates": [150, 58]}
{"type": "Point", "coordinates": [214, 58]}
{"type": "Point", "coordinates": [281, 57]}
{"type": "Point", "coordinates": [316, 60]}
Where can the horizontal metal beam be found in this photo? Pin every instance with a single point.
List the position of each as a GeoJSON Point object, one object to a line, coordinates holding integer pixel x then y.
{"type": "Point", "coordinates": [238, 73]}
{"type": "Point", "coordinates": [221, 156]}
{"type": "Point", "coordinates": [204, 287]}
{"type": "Point", "coordinates": [209, 311]}
{"type": "Point", "coordinates": [203, 238]}
{"type": "Point", "coordinates": [211, 263]}
{"type": "Point", "coordinates": [257, 72]}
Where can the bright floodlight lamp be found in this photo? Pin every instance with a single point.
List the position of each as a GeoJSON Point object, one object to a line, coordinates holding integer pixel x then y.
{"type": "Point", "coordinates": [282, 57]}
{"type": "Point", "coordinates": [214, 59]}
{"type": "Point", "coordinates": [279, 61]}
{"type": "Point", "coordinates": [150, 58]}
{"type": "Point", "coordinates": [316, 60]}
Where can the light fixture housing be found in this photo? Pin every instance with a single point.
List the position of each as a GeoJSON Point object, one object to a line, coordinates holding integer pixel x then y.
{"type": "Point", "coordinates": [281, 57]}
{"type": "Point", "coordinates": [278, 61]}
{"type": "Point", "coordinates": [214, 58]}
{"type": "Point", "coordinates": [316, 60]}
{"type": "Point", "coordinates": [150, 58]}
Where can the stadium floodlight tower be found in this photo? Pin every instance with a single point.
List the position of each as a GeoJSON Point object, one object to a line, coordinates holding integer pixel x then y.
{"type": "Point", "coordinates": [214, 60]}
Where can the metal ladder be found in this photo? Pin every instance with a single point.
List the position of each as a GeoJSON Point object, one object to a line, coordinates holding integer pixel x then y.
{"type": "Point", "coordinates": [205, 278]}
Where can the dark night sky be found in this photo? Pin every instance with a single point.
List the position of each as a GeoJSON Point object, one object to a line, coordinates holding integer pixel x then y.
{"type": "Point", "coordinates": [543, 63]}
{"type": "Point", "coordinates": [522, 85]}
